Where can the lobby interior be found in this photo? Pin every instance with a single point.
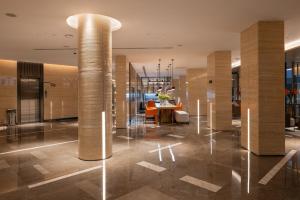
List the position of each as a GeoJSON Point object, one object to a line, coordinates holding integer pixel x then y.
{"type": "Point", "coordinates": [149, 100]}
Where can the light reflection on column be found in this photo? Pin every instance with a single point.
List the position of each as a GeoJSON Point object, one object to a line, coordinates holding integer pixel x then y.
{"type": "Point", "coordinates": [103, 156]}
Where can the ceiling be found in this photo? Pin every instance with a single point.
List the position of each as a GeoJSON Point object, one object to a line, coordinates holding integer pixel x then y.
{"type": "Point", "coordinates": [190, 28]}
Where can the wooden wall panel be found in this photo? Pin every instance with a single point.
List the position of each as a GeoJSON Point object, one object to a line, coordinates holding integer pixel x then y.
{"type": "Point", "coordinates": [60, 101]}
{"type": "Point", "coordinates": [8, 87]}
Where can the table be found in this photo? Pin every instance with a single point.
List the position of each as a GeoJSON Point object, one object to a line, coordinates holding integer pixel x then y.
{"type": "Point", "coordinates": [166, 112]}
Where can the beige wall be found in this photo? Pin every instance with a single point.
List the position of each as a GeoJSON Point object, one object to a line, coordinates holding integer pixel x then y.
{"type": "Point", "coordinates": [8, 87]}
{"type": "Point", "coordinates": [197, 89]}
{"type": "Point", "coordinates": [262, 87]}
{"type": "Point", "coordinates": [219, 89]}
{"type": "Point", "coordinates": [61, 100]}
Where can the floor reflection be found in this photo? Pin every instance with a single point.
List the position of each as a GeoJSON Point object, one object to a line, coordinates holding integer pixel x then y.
{"type": "Point", "coordinates": [159, 162]}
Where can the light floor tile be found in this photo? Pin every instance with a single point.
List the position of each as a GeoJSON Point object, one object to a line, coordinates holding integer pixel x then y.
{"type": "Point", "coordinates": [62, 177]}
{"type": "Point", "coordinates": [200, 183]}
{"type": "Point", "coordinates": [151, 166]}
{"type": "Point", "coordinates": [277, 167]}
{"type": "Point", "coordinates": [41, 169]}
{"type": "Point", "coordinates": [175, 136]}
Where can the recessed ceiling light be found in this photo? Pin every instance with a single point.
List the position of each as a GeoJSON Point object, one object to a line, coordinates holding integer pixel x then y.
{"type": "Point", "coordinates": [68, 35]}
{"type": "Point", "coordinates": [10, 14]}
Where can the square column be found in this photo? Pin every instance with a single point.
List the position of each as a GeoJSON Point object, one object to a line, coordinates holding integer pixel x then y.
{"type": "Point", "coordinates": [262, 87]}
{"type": "Point", "coordinates": [197, 88]}
{"type": "Point", "coordinates": [219, 90]}
{"type": "Point", "coordinates": [182, 92]}
{"type": "Point", "coordinates": [122, 70]}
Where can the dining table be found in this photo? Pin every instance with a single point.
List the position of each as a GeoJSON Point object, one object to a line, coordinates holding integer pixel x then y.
{"type": "Point", "coordinates": [166, 112]}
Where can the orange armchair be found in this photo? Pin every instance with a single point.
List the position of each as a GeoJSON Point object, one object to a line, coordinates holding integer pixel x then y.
{"type": "Point", "coordinates": [151, 110]}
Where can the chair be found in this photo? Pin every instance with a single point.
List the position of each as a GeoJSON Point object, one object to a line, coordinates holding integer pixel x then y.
{"type": "Point", "coordinates": [151, 110]}
{"type": "Point", "coordinates": [179, 106]}
{"type": "Point", "coordinates": [181, 116]}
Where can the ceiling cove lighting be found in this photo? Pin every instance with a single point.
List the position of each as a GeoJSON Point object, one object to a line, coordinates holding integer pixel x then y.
{"type": "Point", "coordinates": [292, 45]}
{"type": "Point", "coordinates": [236, 64]}
{"type": "Point", "coordinates": [72, 21]}
{"type": "Point", "coordinates": [288, 46]}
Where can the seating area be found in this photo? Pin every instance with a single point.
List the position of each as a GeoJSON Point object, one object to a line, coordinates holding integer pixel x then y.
{"type": "Point", "coordinates": [167, 113]}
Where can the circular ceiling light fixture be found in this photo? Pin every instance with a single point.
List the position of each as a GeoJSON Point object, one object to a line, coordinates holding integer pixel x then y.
{"type": "Point", "coordinates": [10, 14]}
{"type": "Point", "coordinates": [72, 21]}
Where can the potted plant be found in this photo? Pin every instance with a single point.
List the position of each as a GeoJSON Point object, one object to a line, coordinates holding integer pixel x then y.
{"type": "Point", "coordinates": [163, 98]}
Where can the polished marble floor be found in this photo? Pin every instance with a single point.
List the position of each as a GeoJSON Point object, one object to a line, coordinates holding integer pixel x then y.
{"type": "Point", "coordinates": [169, 162]}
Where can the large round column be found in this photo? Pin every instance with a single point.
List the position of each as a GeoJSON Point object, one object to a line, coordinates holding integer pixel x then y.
{"type": "Point", "coordinates": [95, 84]}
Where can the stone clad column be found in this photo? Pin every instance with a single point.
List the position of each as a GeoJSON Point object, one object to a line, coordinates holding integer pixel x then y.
{"type": "Point", "coordinates": [197, 90]}
{"type": "Point", "coordinates": [122, 72]}
{"type": "Point", "coordinates": [219, 90]}
{"type": "Point", "coordinates": [182, 92]}
{"type": "Point", "coordinates": [262, 87]}
{"type": "Point", "coordinates": [95, 84]}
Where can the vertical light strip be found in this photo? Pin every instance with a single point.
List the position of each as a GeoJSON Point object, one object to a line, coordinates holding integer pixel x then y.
{"type": "Point", "coordinates": [211, 124]}
{"type": "Point", "coordinates": [248, 128]}
{"type": "Point", "coordinates": [159, 153]}
{"type": "Point", "coordinates": [103, 157]}
{"type": "Point", "coordinates": [198, 115]}
{"type": "Point", "coordinates": [249, 150]}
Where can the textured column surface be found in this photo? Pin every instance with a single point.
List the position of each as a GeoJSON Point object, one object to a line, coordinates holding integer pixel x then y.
{"type": "Point", "coordinates": [197, 89]}
{"type": "Point", "coordinates": [219, 90]}
{"type": "Point", "coordinates": [95, 86]}
{"type": "Point", "coordinates": [182, 92]}
{"type": "Point", "coordinates": [175, 83]}
{"type": "Point", "coordinates": [262, 87]}
{"type": "Point", "coordinates": [122, 70]}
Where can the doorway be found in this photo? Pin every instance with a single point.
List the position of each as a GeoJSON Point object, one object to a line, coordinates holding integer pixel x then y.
{"type": "Point", "coordinates": [30, 92]}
